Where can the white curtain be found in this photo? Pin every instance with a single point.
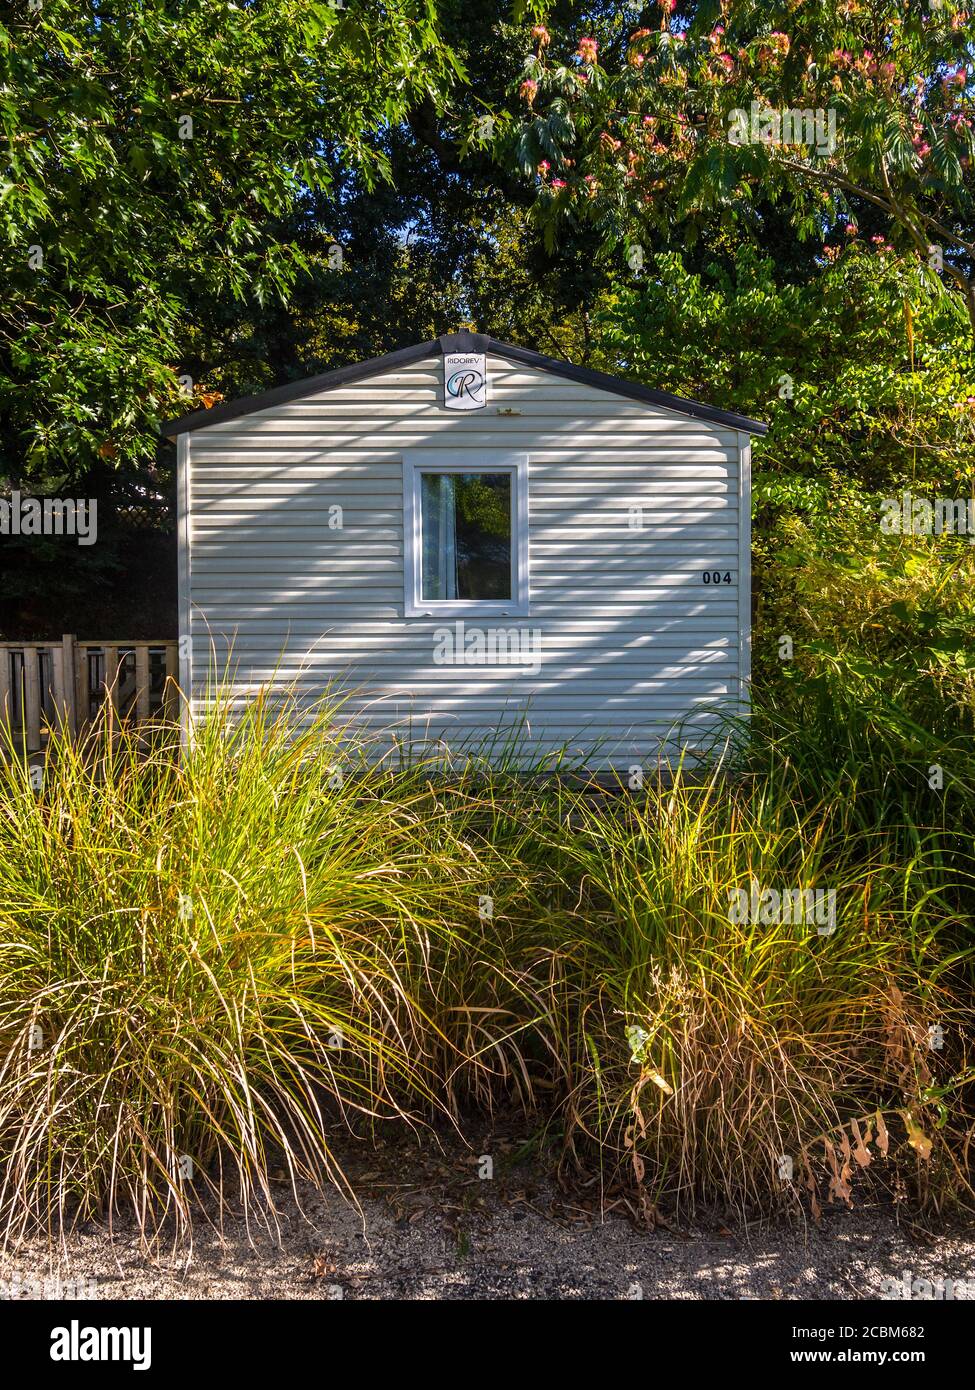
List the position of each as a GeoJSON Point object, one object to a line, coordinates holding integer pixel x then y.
{"type": "Point", "coordinates": [439, 523]}
{"type": "Point", "coordinates": [448, 536]}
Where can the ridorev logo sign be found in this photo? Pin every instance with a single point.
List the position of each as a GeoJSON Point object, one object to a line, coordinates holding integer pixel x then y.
{"type": "Point", "coordinates": [464, 380]}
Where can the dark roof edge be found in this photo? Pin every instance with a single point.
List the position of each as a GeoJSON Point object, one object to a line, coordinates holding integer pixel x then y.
{"type": "Point", "coordinates": [619, 386]}
{"type": "Point", "coordinates": [293, 390]}
{"type": "Point", "coordinates": [459, 342]}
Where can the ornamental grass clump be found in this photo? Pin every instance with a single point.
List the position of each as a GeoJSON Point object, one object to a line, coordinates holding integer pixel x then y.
{"type": "Point", "coordinates": [210, 965]}
{"type": "Point", "coordinates": [772, 985]}
{"type": "Point", "coordinates": [743, 986]}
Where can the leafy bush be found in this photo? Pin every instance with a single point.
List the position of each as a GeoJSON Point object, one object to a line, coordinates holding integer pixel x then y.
{"type": "Point", "coordinates": [865, 374]}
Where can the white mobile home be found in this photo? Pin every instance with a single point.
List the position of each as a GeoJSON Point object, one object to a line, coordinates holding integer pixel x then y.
{"type": "Point", "coordinates": [473, 538]}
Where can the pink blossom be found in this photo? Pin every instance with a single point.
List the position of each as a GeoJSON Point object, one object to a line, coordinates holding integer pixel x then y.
{"type": "Point", "coordinates": [587, 50]}
{"type": "Point", "coordinates": [528, 89]}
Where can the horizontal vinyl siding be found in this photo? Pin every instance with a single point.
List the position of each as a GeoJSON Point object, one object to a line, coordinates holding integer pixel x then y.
{"type": "Point", "coordinates": [631, 640]}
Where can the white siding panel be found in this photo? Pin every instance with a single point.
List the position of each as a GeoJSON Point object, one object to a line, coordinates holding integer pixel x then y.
{"type": "Point", "coordinates": [630, 640]}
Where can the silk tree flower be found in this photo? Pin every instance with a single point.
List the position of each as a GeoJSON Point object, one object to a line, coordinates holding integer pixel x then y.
{"type": "Point", "coordinates": [587, 50]}
{"type": "Point", "coordinates": [528, 89]}
{"type": "Point", "coordinates": [541, 34]}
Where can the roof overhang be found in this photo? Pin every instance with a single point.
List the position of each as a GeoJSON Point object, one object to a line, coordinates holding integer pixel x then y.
{"type": "Point", "coordinates": [458, 342]}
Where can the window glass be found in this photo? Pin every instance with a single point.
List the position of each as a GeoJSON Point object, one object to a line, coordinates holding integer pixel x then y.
{"type": "Point", "coordinates": [466, 535]}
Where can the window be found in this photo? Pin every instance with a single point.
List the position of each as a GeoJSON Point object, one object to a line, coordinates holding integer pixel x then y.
{"type": "Point", "coordinates": [466, 532]}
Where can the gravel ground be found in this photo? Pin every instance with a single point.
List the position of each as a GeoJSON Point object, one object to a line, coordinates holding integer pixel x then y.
{"type": "Point", "coordinates": [430, 1228]}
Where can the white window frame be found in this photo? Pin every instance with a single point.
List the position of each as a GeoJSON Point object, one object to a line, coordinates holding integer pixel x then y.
{"type": "Point", "coordinates": [461, 460]}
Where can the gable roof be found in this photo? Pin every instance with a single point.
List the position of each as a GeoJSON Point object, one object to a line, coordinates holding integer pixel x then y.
{"type": "Point", "coordinates": [458, 342]}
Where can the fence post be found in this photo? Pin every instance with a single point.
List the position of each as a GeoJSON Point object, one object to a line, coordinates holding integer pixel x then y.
{"type": "Point", "coordinates": [6, 690]}
{"type": "Point", "coordinates": [32, 699]}
{"type": "Point", "coordinates": [67, 704]}
{"type": "Point", "coordinates": [82, 694]}
{"type": "Point", "coordinates": [170, 707]}
{"type": "Point", "coordinates": [111, 685]}
{"type": "Point", "coordinates": [57, 686]}
{"type": "Point", "coordinates": [142, 681]}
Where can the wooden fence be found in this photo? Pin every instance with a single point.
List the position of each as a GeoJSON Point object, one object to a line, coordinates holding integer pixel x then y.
{"type": "Point", "coordinates": [66, 683]}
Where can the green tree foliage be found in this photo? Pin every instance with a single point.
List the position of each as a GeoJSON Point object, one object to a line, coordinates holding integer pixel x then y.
{"type": "Point", "coordinates": [866, 376]}
{"type": "Point", "coordinates": [865, 373]}
{"type": "Point", "coordinates": [636, 126]}
{"type": "Point", "coordinates": [443, 239]}
{"type": "Point", "coordinates": [152, 153]}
